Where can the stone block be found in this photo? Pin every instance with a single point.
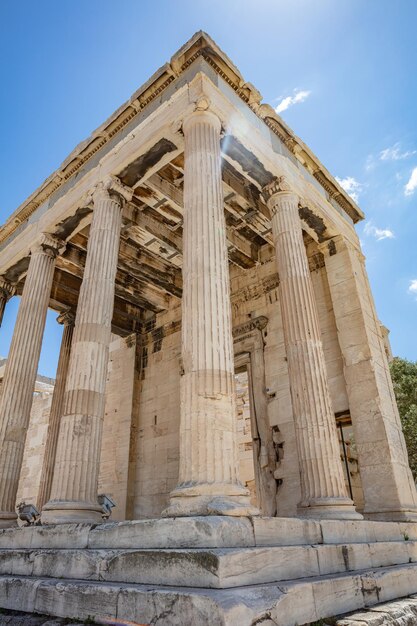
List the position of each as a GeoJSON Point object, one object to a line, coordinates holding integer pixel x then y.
{"type": "Point", "coordinates": [254, 566]}
{"type": "Point", "coordinates": [203, 532]}
{"type": "Point", "coordinates": [77, 599]}
{"type": "Point", "coordinates": [63, 536]}
{"type": "Point", "coordinates": [276, 531]}
{"type": "Point", "coordinates": [296, 606]}
{"type": "Point", "coordinates": [164, 567]}
{"type": "Point", "coordinates": [176, 608]}
{"type": "Point", "coordinates": [16, 562]}
{"type": "Point", "coordinates": [361, 531]}
{"type": "Point", "coordinates": [346, 531]}
{"type": "Point", "coordinates": [391, 553]}
{"type": "Point", "coordinates": [18, 593]}
{"type": "Point", "coordinates": [389, 583]}
{"type": "Point", "coordinates": [334, 559]}
{"type": "Point", "coordinates": [336, 595]}
{"type": "Point", "coordinates": [83, 564]}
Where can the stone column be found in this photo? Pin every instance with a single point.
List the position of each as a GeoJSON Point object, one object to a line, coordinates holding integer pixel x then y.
{"type": "Point", "coordinates": [388, 485]}
{"type": "Point", "coordinates": [74, 486]}
{"type": "Point", "coordinates": [6, 292]}
{"type": "Point", "coordinates": [57, 405]}
{"type": "Point", "coordinates": [20, 373]}
{"type": "Point", "coordinates": [323, 490]}
{"type": "Point", "coordinates": [208, 476]}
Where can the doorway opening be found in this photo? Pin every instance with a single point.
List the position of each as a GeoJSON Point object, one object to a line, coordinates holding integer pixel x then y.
{"type": "Point", "coordinates": [244, 432]}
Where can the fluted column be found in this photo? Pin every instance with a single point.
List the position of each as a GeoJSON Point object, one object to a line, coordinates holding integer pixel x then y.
{"type": "Point", "coordinates": [6, 292]}
{"type": "Point", "coordinates": [388, 486]}
{"type": "Point", "coordinates": [208, 476]}
{"type": "Point", "coordinates": [74, 485]}
{"type": "Point", "coordinates": [21, 367]}
{"type": "Point", "coordinates": [57, 405]}
{"type": "Point", "coordinates": [323, 488]}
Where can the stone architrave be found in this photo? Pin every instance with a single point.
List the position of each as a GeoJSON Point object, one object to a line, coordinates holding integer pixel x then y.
{"type": "Point", "coordinates": [323, 490]}
{"type": "Point", "coordinates": [74, 487]}
{"type": "Point", "coordinates": [21, 367]}
{"type": "Point", "coordinates": [387, 482]}
{"type": "Point", "coordinates": [67, 319]}
{"type": "Point", "coordinates": [6, 292]}
{"type": "Point", "coordinates": [208, 475]}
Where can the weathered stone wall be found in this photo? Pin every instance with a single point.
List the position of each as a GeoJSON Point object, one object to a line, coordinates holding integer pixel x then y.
{"type": "Point", "coordinates": [244, 434]}
{"type": "Point", "coordinates": [114, 457]}
{"type": "Point", "coordinates": [34, 448]}
{"type": "Point", "coordinates": [255, 293]}
{"type": "Point", "coordinates": [157, 445]}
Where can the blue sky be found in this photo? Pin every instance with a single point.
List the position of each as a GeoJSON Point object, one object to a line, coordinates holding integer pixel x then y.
{"type": "Point", "coordinates": [342, 73]}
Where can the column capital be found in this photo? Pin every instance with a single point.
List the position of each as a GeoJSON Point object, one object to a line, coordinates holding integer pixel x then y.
{"type": "Point", "coordinates": [202, 113]}
{"type": "Point", "coordinates": [66, 318]}
{"type": "Point", "coordinates": [112, 187]}
{"type": "Point", "coordinates": [7, 289]}
{"type": "Point", "coordinates": [48, 244]}
{"type": "Point", "coordinates": [279, 188]}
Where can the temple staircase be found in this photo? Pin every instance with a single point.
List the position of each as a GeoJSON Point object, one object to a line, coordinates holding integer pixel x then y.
{"type": "Point", "coordinates": [207, 570]}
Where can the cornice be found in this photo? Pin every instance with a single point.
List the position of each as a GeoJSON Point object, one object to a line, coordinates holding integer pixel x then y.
{"type": "Point", "coordinates": [200, 45]}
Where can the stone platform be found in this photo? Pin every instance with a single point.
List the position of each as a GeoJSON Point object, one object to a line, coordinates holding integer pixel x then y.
{"type": "Point", "coordinates": [207, 570]}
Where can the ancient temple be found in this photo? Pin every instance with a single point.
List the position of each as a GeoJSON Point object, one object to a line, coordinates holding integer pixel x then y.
{"type": "Point", "coordinates": [190, 245]}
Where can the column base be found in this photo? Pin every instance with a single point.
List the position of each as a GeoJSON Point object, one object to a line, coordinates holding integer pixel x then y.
{"type": "Point", "coordinates": [8, 519]}
{"type": "Point", "coordinates": [329, 508]}
{"type": "Point", "coordinates": [71, 512]}
{"type": "Point", "coordinates": [406, 515]}
{"type": "Point", "coordinates": [210, 499]}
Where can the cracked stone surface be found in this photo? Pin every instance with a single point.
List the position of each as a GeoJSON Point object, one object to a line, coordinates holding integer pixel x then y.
{"type": "Point", "coordinates": [14, 618]}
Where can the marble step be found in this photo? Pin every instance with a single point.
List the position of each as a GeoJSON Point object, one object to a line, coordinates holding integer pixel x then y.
{"type": "Point", "coordinates": [214, 568]}
{"type": "Point", "coordinates": [206, 532]}
{"type": "Point", "coordinates": [287, 603]}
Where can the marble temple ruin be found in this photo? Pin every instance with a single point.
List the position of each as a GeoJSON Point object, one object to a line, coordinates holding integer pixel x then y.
{"type": "Point", "coordinates": [190, 245]}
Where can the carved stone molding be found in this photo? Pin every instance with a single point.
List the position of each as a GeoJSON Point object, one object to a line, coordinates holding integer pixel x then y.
{"type": "Point", "coordinates": [256, 290]}
{"type": "Point", "coordinates": [49, 244]}
{"type": "Point", "coordinates": [258, 323]}
{"type": "Point", "coordinates": [66, 318]}
{"type": "Point", "coordinates": [112, 186]}
{"type": "Point", "coordinates": [278, 185]}
{"type": "Point", "coordinates": [203, 104]}
{"type": "Point", "coordinates": [202, 113]}
{"type": "Point", "coordinates": [7, 289]}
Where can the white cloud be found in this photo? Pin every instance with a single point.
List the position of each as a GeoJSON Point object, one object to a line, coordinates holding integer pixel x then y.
{"type": "Point", "coordinates": [412, 287]}
{"type": "Point", "coordinates": [299, 96]}
{"type": "Point", "coordinates": [351, 186]}
{"type": "Point", "coordinates": [369, 163]}
{"type": "Point", "coordinates": [379, 233]}
{"type": "Point", "coordinates": [394, 153]}
{"type": "Point", "coordinates": [411, 186]}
